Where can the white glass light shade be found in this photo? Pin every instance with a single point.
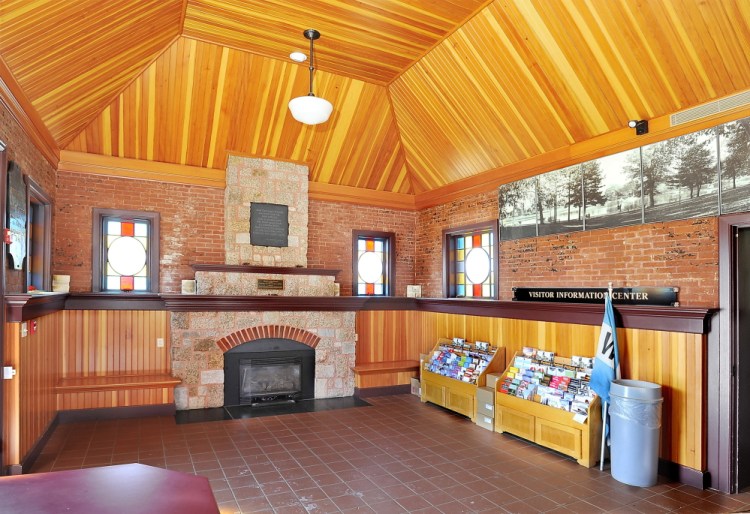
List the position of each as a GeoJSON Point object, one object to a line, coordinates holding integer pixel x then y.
{"type": "Point", "coordinates": [310, 110]}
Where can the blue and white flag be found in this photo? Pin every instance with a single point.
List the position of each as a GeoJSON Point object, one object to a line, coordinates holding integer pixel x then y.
{"type": "Point", "coordinates": [607, 358]}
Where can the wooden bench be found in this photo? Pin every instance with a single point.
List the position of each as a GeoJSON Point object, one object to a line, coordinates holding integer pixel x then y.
{"type": "Point", "coordinates": [115, 390]}
{"type": "Point", "coordinates": [385, 374]}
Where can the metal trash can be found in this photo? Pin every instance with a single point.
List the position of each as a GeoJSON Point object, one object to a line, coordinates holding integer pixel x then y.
{"type": "Point", "coordinates": [635, 424]}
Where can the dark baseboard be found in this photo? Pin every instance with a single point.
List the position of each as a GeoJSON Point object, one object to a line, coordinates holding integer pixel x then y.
{"type": "Point", "coordinates": [33, 454]}
{"type": "Point", "coordinates": [139, 411]}
{"type": "Point", "coordinates": [367, 392]}
{"type": "Point", "coordinates": [684, 475]}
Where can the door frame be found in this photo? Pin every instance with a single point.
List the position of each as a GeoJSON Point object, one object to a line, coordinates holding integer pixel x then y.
{"type": "Point", "coordinates": [3, 197]}
{"type": "Point", "coordinates": [721, 407]}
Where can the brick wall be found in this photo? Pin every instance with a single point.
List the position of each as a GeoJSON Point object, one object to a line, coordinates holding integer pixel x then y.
{"type": "Point", "coordinates": [430, 224]}
{"type": "Point", "coordinates": [192, 228]}
{"type": "Point", "coordinates": [191, 224]}
{"type": "Point", "coordinates": [21, 149]}
{"type": "Point", "coordinates": [329, 244]}
{"type": "Point", "coordinates": [677, 253]}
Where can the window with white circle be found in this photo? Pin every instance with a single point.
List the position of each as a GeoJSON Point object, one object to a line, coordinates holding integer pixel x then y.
{"type": "Point", "coordinates": [470, 262]}
{"type": "Point", "coordinates": [372, 263]}
{"type": "Point", "coordinates": [127, 259]}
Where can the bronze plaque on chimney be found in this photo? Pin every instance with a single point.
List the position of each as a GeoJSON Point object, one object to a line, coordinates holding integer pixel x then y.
{"type": "Point", "coordinates": [269, 224]}
{"type": "Point", "coordinates": [270, 284]}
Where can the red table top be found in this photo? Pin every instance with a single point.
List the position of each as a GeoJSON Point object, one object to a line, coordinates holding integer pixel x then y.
{"type": "Point", "coordinates": [135, 488]}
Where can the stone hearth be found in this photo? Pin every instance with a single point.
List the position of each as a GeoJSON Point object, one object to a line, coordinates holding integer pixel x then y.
{"type": "Point", "coordinates": [199, 340]}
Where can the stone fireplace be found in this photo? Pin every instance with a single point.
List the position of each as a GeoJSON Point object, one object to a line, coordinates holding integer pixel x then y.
{"type": "Point", "coordinates": [269, 371]}
{"type": "Point", "coordinates": [200, 340]}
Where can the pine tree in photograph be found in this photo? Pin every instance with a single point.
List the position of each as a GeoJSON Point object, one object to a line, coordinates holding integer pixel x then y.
{"type": "Point", "coordinates": [657, 160]}
{"type": "Point", "coordinates": [593, 183]}
{"type": "Point", "coordinates": [736, 162]}
{"type": "Point", "coordinates": [695, 163]}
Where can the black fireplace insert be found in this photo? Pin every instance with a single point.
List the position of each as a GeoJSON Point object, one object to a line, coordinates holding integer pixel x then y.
{"type": "Point", "coordinates": [269, 371]}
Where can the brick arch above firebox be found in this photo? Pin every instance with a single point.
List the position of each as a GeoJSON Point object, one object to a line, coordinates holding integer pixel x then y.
{"type": "Point", "coordinates": [267, 332]}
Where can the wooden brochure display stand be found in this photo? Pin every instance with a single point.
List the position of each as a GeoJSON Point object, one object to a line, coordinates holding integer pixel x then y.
{"type": "Point", "coordinates": [454, 394]}
{"type": "Point", "coordinates": [551, 427]}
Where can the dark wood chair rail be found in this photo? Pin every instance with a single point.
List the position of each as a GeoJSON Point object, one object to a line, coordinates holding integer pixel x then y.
{"type": "Point", "coordinates": [696, 320]}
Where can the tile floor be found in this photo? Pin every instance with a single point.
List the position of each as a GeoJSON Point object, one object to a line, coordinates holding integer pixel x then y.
{"type": "Point", "coordinates": [398, 455]}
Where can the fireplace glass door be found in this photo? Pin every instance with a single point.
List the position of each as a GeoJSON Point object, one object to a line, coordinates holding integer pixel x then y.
{"type": "Point", "coordinates": [268, 379]}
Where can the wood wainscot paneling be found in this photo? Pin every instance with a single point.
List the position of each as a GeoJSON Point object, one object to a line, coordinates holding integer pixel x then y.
{"type": "Point", "coordinates": [673, 357]}
{"type": "Point", "coordinates": [388, 347]}
{"type": "Point", "coordinates": [29, 398]}
{"type": "Point", "coordinates": [676, 360]}
{"type": "Point", "coordinates": [111, 359]}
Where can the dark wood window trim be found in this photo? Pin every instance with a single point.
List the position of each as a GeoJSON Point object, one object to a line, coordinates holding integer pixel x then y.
{"type": "Point", "coordinates": [98, 258]}
{"type": "Point", "coordinates": [390, 271]}
{"type": "Point", "coordinates": [35, 195]}
{"type": "Point", "coordinates": [448, 266]}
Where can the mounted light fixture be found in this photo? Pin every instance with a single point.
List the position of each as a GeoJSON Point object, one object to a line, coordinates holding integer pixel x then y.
{"type": "Point", "coordinates": [310, 109]}
{"type": "Point", "coordinates": [640, 126]}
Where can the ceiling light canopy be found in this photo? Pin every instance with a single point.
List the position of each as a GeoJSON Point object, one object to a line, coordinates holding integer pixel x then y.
{"type": "Point", "coordinates": [310, 109]}
{"type": "Point", "coordinates": [298, 56]}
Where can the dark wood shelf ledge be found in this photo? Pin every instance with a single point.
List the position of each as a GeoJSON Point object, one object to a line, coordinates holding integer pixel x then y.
{"type": "Point", "coordinates": [115, 301]}
{"type": "Point", "coordinates": [696, 320]}
{"type": "Point", "coordinates": [25, 306]}
{"type": "Point", "coordinates": [271, 270]}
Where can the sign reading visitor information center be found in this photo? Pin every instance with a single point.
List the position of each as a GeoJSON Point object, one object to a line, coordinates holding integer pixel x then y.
{"type": "Point", "coordinates": [620, 295]}
{"type": "Point", "coordinates": [269, 224]}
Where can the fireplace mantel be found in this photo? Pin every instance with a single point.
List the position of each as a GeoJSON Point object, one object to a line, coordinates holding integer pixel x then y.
{"type": "Point", "coordinates": [271, 270]}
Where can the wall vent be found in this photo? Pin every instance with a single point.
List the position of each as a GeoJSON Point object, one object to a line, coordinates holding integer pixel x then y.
{"type": "Point", "coordinates": [711, 108]}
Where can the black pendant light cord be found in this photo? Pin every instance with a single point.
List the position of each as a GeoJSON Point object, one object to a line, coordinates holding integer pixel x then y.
{"type": "Point", "coordinates": [312, 35]}
{"type": "Point", "coordinates": [312, 67]}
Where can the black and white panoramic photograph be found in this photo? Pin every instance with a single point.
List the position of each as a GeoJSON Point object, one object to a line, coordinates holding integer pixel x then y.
{"type": "Point", "coordinates": [518, 209]}
{"type": "Point", "coordinates": [680, 178]}
{"type": "Point", "coordinates": [734, 148]}
{"type": "Point", "coordinates": [559, 201]}
{"type": "Point", "coordinates": [612, 190]}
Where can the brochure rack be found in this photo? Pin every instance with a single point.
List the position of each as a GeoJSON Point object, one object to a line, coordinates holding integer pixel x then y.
{"type": "Point", "coordinates": [550, 427]}
{"type": "Point", "coordinates": [448, 387]}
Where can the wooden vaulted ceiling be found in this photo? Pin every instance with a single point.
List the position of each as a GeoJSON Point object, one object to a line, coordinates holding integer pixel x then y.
{"type": "Point", "coordinates": [427, 95]}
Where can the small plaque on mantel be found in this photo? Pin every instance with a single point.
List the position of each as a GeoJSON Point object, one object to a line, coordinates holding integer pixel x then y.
{"type": "Point", "coordinates": [265, 284]}
{"type": "Point", "coordinates": [269, 224]}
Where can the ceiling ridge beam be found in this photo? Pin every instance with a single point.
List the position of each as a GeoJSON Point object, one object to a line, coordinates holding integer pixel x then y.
{"type": "Point", "coordinates": [183, 15]}
{"type": "Point", "coordinates": [660, 128]}
{"type": "Point", "coordinates": [445, 36]}
{"type": "Point", "coordinates": [23, 111]}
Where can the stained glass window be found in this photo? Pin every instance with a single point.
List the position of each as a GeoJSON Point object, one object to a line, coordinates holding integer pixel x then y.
{"type": "Point", "coordinates": [373, 263]}
{"type": "Point", "coordinates": [127, 250]}
{"type": "Point", "coordinates": [471, 263]}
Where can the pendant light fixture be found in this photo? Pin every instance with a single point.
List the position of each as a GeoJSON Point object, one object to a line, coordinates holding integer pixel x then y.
{"type": "Point", "coordinates": [310, 109]}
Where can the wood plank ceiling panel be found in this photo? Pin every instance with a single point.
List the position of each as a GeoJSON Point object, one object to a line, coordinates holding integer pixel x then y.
{"type": "Point", "coordinates": [199, 101]}
{"type": "Point", "coordinates": [72, 57]}
{"type": "Point", "coordinates": [526, 77]}
{"type": "Point", "coordinates": [370, 40]}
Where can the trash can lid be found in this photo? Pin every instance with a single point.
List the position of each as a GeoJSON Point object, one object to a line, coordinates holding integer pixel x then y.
{"type": "Point", "coordinates": [635, 389]}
